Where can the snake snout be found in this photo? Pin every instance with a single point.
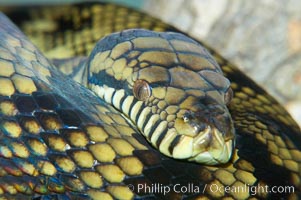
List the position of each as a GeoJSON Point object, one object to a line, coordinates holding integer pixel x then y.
{"type": "Point", "coordinates": [210, 147]}
{"type": "Point", "coordinates": [212, 133]}
{"type": "Point", "coordinates": [214, 144]}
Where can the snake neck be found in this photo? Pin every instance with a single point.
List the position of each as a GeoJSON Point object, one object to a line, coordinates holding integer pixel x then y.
{"type": "Point", "coordinates": [135, 111]}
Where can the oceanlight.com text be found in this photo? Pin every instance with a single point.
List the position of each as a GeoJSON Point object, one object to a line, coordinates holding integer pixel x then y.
{"type": "Point", "coordinates": [193, 188]}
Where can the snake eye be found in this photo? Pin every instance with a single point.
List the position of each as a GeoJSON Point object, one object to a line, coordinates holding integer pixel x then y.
{"type": "Point", "coordinates": [142, 90]}
{"type": "Point", "coordinates": [228, 96]}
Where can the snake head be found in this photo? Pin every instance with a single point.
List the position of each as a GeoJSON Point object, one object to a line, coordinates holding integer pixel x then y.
{"type": "Point", "coordinates": [171, 89]}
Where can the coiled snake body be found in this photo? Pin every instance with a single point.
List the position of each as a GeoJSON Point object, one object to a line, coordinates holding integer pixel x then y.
{"type": "Point", "coordinates": [58, 140]}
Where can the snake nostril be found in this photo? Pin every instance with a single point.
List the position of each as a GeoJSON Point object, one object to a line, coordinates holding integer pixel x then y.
{"type": "Point", "coordinates": [186, 119]}
{"type": "Point", "coordinates": [188, 116]}
{"type": "Point", "coordinates": [196, 123]}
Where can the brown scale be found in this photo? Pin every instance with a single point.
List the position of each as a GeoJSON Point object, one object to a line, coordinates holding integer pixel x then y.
{"type": "Point", "coordinates": [268, 143]}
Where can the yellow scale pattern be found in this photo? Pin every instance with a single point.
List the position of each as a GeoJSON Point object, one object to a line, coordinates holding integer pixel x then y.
{"type": "Point", "coordinates": [95, 153]}
{"type": "Point", "coordinates": [19, 83]}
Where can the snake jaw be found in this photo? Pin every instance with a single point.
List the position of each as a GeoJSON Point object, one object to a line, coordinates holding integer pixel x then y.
{"type": "Point", "coordinates": [211, 147]}
{"type": "Point", "coordinates": [212, 132]}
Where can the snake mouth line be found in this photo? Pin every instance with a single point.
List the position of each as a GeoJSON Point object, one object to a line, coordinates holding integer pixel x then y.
{"type": "Point", "coordinates": [212, 133]}
{"type": "Point", "coordinates": [212, 147]}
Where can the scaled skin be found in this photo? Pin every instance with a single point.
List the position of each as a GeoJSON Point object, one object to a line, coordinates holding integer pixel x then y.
{"type": "Point", "coordinates": [267, 152]}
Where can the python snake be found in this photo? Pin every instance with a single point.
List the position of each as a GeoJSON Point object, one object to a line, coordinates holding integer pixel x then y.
{"type": "Point", "coordinates": [60, 141]}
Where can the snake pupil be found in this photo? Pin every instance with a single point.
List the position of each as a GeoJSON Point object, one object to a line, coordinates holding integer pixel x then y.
{"type": "Point", "coordinates": [141, 90]}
